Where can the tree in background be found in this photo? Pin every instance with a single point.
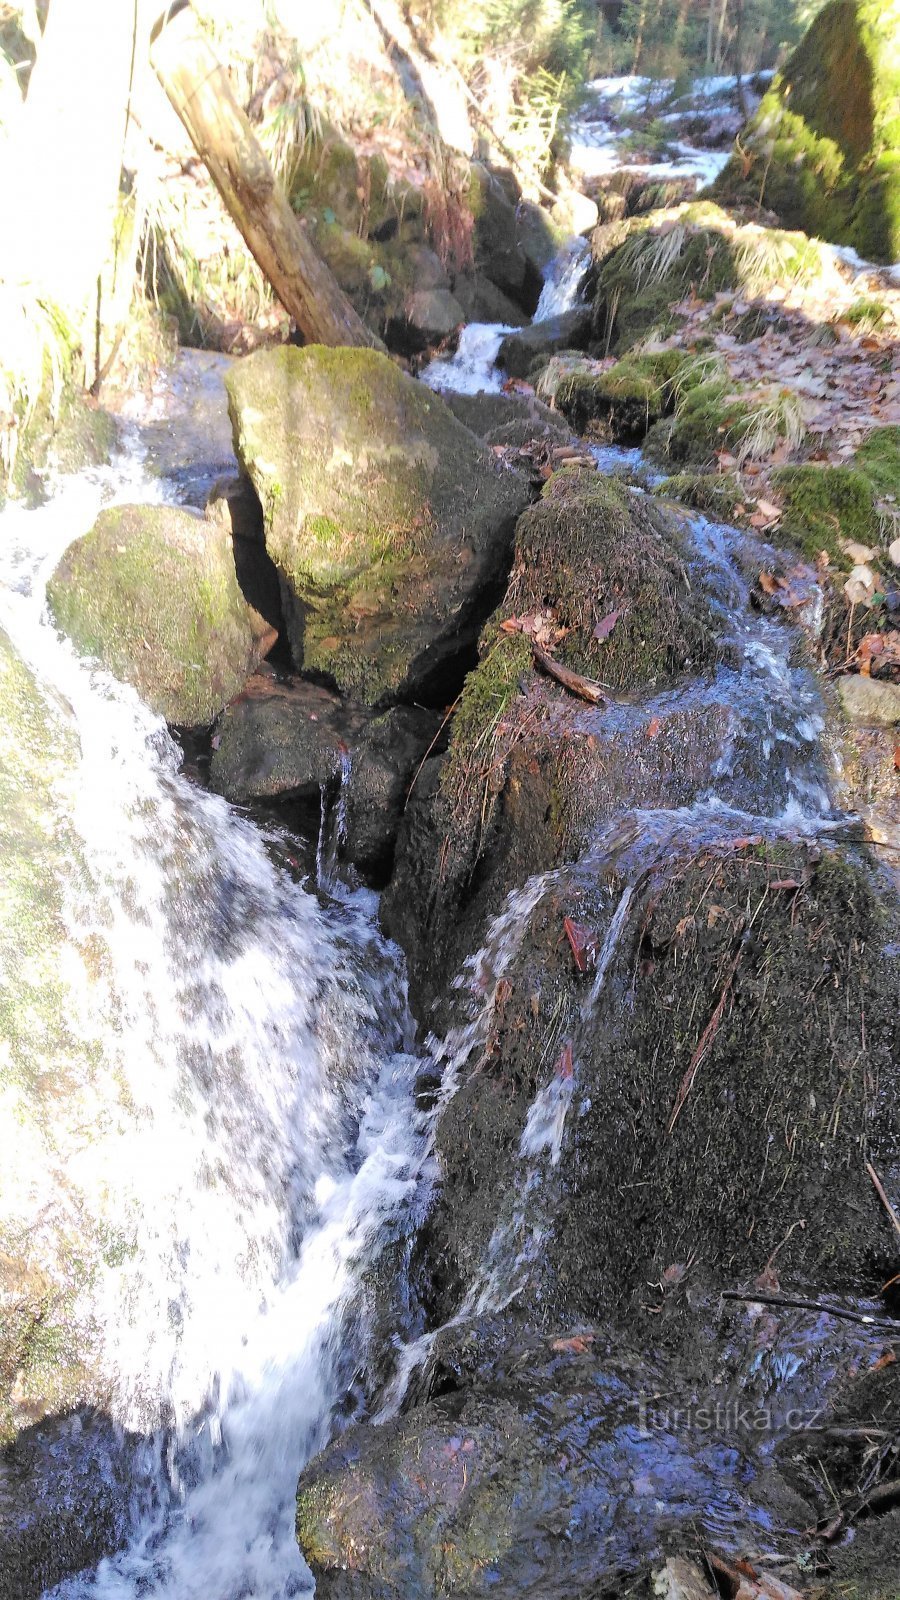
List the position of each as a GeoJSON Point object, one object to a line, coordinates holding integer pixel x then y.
{"type": "Point", "coordinates": [670, 38]}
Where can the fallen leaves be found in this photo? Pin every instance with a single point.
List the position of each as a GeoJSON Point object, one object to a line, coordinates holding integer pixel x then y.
{"type": "Point", "coordinates": [540, 626]}
{"type": "Point", "coordinates": [582, 942]}
{"type": "Point", "coordinates": [881, 650]}
{"type": "Point", "coordinates": [605, 626]}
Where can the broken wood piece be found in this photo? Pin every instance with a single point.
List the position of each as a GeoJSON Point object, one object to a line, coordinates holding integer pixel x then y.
{"type": "Point", "coordinates": [584, 688]}
{"type": "Point", "coordinates": [757, 1297]}
{"type": "Point", "coordinates": [198, 88]}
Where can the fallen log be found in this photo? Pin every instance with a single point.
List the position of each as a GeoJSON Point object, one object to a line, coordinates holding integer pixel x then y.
{"type": "Point", "coordinates": [198, 88]}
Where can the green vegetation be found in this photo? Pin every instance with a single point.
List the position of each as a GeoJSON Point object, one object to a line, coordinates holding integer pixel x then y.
{"type": "Point", "coordinates": [714, 494]}
{"type": "Point", "coordinates": [625, 398]}
{"type": "Point", "coordinates": [747, 422]}
{"type": "Point", "coordinates": [666, 38]}
{"type": "Point", "coordinates": [384, 524]}
{"type": "Point", "coordinates": [823, 150]}
{"type": "Point", "coordinates": [879, 458]}
{"type": "Point", "coordinates": [823, 505]}
{"type": "Point", "coordinates": [656, 260]}
{"type": "Point", "coordinates": [152, 593]}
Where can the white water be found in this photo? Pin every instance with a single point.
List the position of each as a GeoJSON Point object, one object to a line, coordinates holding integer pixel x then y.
{"type": "Point", "coordinates": [473, 368]}
{"type": "Point", "coordinates": [563, 280]}
{"type": "Point", "coordinates": [251, 1126]}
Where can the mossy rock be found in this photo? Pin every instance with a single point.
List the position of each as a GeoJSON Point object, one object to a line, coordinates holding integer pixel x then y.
{"type": "Point", "coordinates": [589, 548]}
{"type": "Point", "coordinates": [825, 505]}
{"type": "Point", "coordinates": [649, 264]}
{"type": "Point", "coordinates": [713, 494]}
{"type": "Point", "coordinates": [385, 516]}
{"type": "Point", "coordinates": [736, 944]}
{"type": "Point", "coordinates": [152, 593]}
{"type": "Point", "coordinates": [508, 418]}
{"type": "Point", "coordinates": [521, 352]}
{"type": "Point", "coordinates": [823, 148]}
{"type": "Point", "coordinates": [623, 401]}
{"type": "Point", "coordinates": [715, 415]}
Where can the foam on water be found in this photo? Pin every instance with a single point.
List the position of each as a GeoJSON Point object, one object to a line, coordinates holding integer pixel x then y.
{"type": "Point", "coordinates": [255, 1127]}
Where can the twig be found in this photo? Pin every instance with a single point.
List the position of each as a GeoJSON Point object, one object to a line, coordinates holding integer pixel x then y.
{"type": "Point", "coordinates": [706, 1039]}
{"type": "Point", "coordinates": [797, 1303]}
{"type": "Point", "coordinates": [584, 688]}
{"type": "Point", "coordinates": [879, 1189]}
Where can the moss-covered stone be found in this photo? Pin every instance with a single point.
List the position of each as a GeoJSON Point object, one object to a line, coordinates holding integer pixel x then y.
{"type": "Point", "coordinates": [385, 516]}
{"type": "Point", "coordinates": [649, 264]}
{"type": "Point", "coordinates": [733, 948]}
{"type": "Point", "coordinates": [825, 505]}
{"type": "Point", "coordinates": [589, 548]}
{"type": "Point", "coordinates": [152, 593]}
{"type": "Point", "coordinates": [823, 149]}
{"type": "Point", "coordinates": [621, 402]}
{"type": "Point", "coordinates": [714, 494]}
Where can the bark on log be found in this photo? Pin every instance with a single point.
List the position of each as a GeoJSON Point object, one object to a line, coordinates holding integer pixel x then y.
{"type": "Point", "coordinates": [198, 87]}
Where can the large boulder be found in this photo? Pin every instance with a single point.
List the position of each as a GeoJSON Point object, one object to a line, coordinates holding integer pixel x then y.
{"type": "Point", "coordinates": [388, 521]}
{"type": "Point", "coordinates": [823, 148]}
{"type": "Point", "coordinates": [152, 593]}
{"type": "Point", "coordinates": [533, 1479]}
{"type": "Point", "coordinates": [531, 770]}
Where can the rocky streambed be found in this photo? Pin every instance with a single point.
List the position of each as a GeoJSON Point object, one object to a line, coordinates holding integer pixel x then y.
{"type": "Point", "coordinates": [526, 1211]}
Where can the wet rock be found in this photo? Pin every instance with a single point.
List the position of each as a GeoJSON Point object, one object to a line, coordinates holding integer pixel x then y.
{"type": "Point", "coordinates": [663, 1083]}
{"type": "Point", "coordinates": [530, 770]}
{"type": "Point", "coordinates": [152, 593]}
{"type": "Point", "coordinates": [282, 738]}
{"type": "Point", "coordinates": [509, 418]}
{"type": "Point", "coordinates": [67, 1492]}
{"type": "Point", "coordinates": [536, 1481]}
{"type": "Point", "coordinates": [388, 753]}
{"type": "Point", "coordinates": [520, 353]}
{"type": "Point", "coordinates": [293, 740]}
{"type": "Point", "coordinates": [387, 520]}
{"type": "Point", "coordinates": [870, 702]}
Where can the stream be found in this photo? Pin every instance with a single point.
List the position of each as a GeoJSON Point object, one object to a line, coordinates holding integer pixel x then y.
{"type": "Point", "coordinates": [274, 1145]}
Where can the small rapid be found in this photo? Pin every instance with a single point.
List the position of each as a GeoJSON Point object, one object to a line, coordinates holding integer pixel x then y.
{"type": "Point", "coordinates": [243, 1128]}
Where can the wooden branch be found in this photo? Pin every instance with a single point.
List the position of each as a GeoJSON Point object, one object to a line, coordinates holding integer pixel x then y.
{"type": "Point", "coordinates": [880, 1191]}
{"type": "Point", "coordinates": [584, 688]}
{"type": "Point", "coordinates": [198, 87]}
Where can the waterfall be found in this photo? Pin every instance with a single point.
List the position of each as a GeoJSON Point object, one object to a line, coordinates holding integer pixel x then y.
{"type": "Point", "coordinates": [243, 1129]}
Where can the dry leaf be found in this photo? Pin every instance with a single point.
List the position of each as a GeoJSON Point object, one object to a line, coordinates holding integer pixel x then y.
{"type": "Point", "coordinates": [605, 626]}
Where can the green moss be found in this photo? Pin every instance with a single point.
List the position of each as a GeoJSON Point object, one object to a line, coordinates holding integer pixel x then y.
{"type": "Point", "coordinates": [589, 548]}
{"type": "Point", "coordinates": [390, 510]}
{"type": "Point", "coordinates": [823, 149]}
{"type": "Point", "coordinates": [879, 458]}
{"type": "Point", "coordinates": [152, 593]}
{"type": "Point", "coordinates": [823, 505]}
{"type": "Point", "coordinates": [626, 398]}
{"type": "Point", "coordinates": [716, 495]}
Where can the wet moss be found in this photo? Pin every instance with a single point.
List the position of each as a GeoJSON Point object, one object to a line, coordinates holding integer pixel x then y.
{"type": "Point", "coordinates": [724, 1079]}
{"type": "Point", "coordinates": [825, 505]}
{"type": "Point", "coordinates": [589, 548]}
{"type": "Point", "coordinates": [714, 494]}
{"type": "Point", "coordinates": [152, 593]}
{"type": "Point", "coordinates": [624, 400]}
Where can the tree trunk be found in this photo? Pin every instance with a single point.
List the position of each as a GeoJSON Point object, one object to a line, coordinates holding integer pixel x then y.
{"type": "Point", "coordinates": [200, 92]}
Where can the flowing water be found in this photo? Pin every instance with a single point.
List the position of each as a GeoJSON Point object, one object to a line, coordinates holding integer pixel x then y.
{"type": "Point", "coordinates": [270, 1140]}
{"type": "Point", "coordinates": [272, 1144]}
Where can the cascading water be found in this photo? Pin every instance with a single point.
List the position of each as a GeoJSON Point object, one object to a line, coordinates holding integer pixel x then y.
{"type": "Point", "coordinates": [252, 1126]}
